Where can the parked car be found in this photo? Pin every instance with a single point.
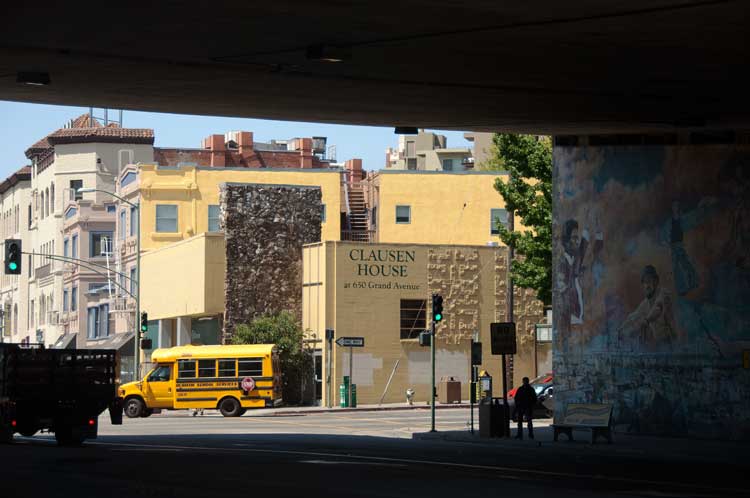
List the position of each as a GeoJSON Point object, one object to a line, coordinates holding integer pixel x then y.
{"type": "Point", "coordinates": [544, 389]}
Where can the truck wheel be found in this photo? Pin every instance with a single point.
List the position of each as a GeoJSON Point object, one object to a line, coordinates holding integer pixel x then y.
{"type": "Point", "coordinates": [134, 407]}
{"type": "Point", "coordinates": [69, 436]}
{"type": "Point", "coordinates": [230, 407]}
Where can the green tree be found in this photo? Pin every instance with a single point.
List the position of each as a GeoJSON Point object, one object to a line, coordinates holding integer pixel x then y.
{"type": "Point", "coordinates": [283, 330]}
{"type": "Point", "coordinates": [528, 194]}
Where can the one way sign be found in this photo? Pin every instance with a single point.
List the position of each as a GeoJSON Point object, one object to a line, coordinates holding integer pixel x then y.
{"type": "Point", "coordinates": [351, 342]}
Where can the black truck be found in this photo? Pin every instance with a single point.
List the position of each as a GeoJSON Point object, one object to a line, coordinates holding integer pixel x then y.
{"type": "Point", "coordinates": [57, 390]}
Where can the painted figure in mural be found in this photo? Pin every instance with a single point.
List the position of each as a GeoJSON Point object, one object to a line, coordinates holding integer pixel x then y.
{"type": "Point", "coordinates": [651, 326]}
{"type": "Point", "coordinates": [570, 273]}
{"type": "Point", "coordinates": [685, 277]}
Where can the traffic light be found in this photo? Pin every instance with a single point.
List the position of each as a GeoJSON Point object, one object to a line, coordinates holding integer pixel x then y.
{"type": "Point", "coordinates": [12, 257]}
{"type": "Point", "coordinates": [144, 322]}
{"type": "Point", "coordinates": [437, 308]}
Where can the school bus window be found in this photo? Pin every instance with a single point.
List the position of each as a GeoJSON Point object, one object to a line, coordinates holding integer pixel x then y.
{"type": "Point", "coordinates": [206, 368]}
{"type": "Point", "coordinates": [251, 367]}
{"type": "Point", "coordinates": [160, 374]}
{"type": "Point", "coordinates": [227, 368]}
{"type": "Point", "coordinates": [186, 369]}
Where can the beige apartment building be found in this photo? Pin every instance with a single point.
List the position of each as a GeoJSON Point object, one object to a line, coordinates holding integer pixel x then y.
{"type": "Point", "coordinates": [427, 151]}
{"type": "Point", "coordinates": [14, 197]}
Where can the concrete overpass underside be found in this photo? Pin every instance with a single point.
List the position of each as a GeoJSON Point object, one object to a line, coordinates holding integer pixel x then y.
{"type": "Point", "coordinates": [538, 66]}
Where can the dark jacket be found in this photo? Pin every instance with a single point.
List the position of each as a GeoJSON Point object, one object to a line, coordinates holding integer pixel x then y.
{"type": "Point", "coordinates": [525, 397]}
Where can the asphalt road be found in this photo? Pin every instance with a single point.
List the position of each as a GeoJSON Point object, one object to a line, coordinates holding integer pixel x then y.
{"type": "Point", "coordinates": [368, 454]}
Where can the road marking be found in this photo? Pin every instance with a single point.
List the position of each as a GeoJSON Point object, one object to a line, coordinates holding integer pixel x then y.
{"type": "Point", "coordinates": [530, 472]}
{"type": "Point", "coordinates": [339, 462]}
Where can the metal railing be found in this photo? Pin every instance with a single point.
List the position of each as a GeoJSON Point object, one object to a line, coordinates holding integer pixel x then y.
{"type": "Point", "coordinates": [367, 236]}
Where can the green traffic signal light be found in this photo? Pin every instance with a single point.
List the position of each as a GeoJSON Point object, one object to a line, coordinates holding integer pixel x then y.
{"type": "Point", "coordinates": [13, 266]}
{"type": "Point", "coordinates": [438, 317]}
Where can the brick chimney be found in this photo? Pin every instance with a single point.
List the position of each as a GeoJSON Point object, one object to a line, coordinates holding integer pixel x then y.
{"type": "Point", "coordinates": [215, 143]}
{"type": "Point", "coordinates": [354, 169]}
{"type": "Point", "coordinates": [306, 152]}
{"type": "Point", "coordinates": [245, 143]}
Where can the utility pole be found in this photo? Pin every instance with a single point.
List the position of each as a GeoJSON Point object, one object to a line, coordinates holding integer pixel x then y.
{"type": "Point", "coordinates": [432, 391]}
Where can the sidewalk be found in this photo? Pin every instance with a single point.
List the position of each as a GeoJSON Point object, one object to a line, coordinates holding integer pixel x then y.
{"type": "Point", "coordinates": [624, 445]}
{"type": "Point", "coordinates": [310, 410]}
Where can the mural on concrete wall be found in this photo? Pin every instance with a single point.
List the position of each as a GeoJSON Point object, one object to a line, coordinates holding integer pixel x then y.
{"type": "Point", "coordinates": [652, 285]}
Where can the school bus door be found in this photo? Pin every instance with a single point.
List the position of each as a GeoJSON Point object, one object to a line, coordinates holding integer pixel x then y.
{"type": "Point", "coordinates": [158, 387]}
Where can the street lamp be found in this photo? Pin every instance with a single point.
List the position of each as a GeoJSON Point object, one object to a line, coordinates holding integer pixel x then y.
{"type": "Point", "coordinates": [136, 339]}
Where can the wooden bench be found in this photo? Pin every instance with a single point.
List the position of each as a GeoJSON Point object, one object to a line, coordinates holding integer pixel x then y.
{"type": "Point", "coordinates": [595, 417]}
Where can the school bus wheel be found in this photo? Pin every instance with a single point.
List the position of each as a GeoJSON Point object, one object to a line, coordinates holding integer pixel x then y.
{"type": "Point", "coordinates": [134, 407]}
{"type": "Point", "coordinates": [230, 407]}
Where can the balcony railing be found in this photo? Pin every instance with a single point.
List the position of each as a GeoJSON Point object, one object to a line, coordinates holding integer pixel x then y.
{"type": "Point", "coordinates": [358, 235]}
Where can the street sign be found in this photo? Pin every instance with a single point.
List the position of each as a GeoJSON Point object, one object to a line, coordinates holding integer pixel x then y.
{"type": "Point", "coordinates": [503, 338]}
{"type": "Point", "coordinates": [351, 342]}
{"type": "Point", "coordinates": [247, 384]}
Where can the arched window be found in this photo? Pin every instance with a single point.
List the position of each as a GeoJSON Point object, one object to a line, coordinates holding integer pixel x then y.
{"type": "Point", "coordinates": [46, 205]}
{"type": "Point", "coordinates": [41, 208]}
{"type": "Point", "coordinates": [52, 198]}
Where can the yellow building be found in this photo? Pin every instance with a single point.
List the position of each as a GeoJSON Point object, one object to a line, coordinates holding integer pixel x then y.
{"type": "Point", "coordinates": [183, 260]}
{"type": "Point", "coordinates": [382, 292]}
{"type": "Point", "coordinates": [435, 207]}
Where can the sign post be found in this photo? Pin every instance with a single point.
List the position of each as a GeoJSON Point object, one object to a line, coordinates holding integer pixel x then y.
{"type": "Point", "coordinates": [432, 391]}
{"type": "Point", "coordinates": [502, 342]}
{"type": "Point", "coordinates": [351, 343]}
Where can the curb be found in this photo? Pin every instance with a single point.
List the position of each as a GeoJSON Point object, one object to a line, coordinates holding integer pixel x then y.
{"type": "Point", "coordinates": [313, 410]}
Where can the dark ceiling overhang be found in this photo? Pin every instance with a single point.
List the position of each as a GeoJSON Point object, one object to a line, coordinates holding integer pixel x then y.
{"type": "Point", "coordinates": [543, 66]}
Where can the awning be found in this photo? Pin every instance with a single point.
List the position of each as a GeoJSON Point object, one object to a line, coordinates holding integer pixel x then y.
{"type": "Point", "coordinates": [116, 341]}
{"type": "Point", "coordinates": [65, 341]}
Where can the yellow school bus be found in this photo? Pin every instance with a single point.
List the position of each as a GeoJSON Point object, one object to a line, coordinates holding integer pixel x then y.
{"type": "Point", "coordinates": [228, 378]}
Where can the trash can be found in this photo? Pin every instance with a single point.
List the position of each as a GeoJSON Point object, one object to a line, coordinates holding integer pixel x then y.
{"type": "Point", "coordinates": [449, 390]}
{"type": "Point", "coordinates": [343, 396]}
{"type": "Point", "coordinates": [354, 396]}
{"type": "Point", "coordinates": [493, 418]}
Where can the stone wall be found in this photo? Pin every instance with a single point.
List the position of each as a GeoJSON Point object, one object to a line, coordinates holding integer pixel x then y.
{"type": "Point", "coordinates": [265, 228]}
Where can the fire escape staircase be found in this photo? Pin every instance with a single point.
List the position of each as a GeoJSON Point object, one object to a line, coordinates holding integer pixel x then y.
{"type": "Point", "coordinates": [357, 216]}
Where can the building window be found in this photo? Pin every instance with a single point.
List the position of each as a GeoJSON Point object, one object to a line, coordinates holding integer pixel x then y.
{"type": "Point", "coordinates": [498, 216]}
{"type": "Point", "coordinates": [92, 323]}
{"type": "Point", "coordinates": [127, 179]}
{"type": "Point", "coordinates": [447, 164]}
{"type": "Point", "coordinates": [123, 228]}
{"type": "Point", "coordinates": [100, 244]}
{"type": "Point", "coordinates": [411, 163]}
{"type": "Point", "coordinates": [403, 214]}
{"type": "Point", "coordinates": [74, 186]}
{"type": "Point", "coordinates": [70, 213]}
{"type": "Point", "coordinates": [52, 198]}
{"type": "Point", "coordinates": [103, 330]}
{"type": "Point", "coordinates": [111, 208]}
{"type": "Point", "coordinates": [66, 247]}
{"type": "Point", "coordinates": [65, 299]}
{"type": "Point", "coordinates": [374, 217]}
{"type": "Point", "coordinates": [166, 218]}
{"type": "Point", "coordinates": [413, 317]}
{"type": "Point", "coordinates": [132, 281]}
{"type": "Point", "coordinates": [133, 221]}
{"type": "Point", "coordinates": [31, 218]}
{"type": "Point", "coordinates": [214, 215]}
{"type": "Point", "coordinates": [322, 213]}
{"type": "Point", "coordinates": [74, 298]}
{"type": "Point", "coordinates": [74, 247]}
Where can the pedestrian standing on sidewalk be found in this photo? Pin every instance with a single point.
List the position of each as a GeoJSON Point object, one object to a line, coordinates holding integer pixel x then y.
{"type": "Point", "coordinates": [525, 402]}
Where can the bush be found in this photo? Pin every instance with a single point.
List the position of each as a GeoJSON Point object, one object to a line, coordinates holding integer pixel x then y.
{"type": "Point", "coordinates": [283, 330]}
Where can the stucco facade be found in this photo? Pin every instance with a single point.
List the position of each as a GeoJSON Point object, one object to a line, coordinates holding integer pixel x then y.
{"type": "Point", "coordinates": [382, 292]}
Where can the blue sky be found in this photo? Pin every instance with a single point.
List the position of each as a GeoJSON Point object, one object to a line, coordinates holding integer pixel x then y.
{"type": "Point", "coordinates": [23, 124]}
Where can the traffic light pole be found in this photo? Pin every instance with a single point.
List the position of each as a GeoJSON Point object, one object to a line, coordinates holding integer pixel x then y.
{"type": "Point", "coordinates": [432, 392]}
{"type": "Point", "coordinates": [137, 341]}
